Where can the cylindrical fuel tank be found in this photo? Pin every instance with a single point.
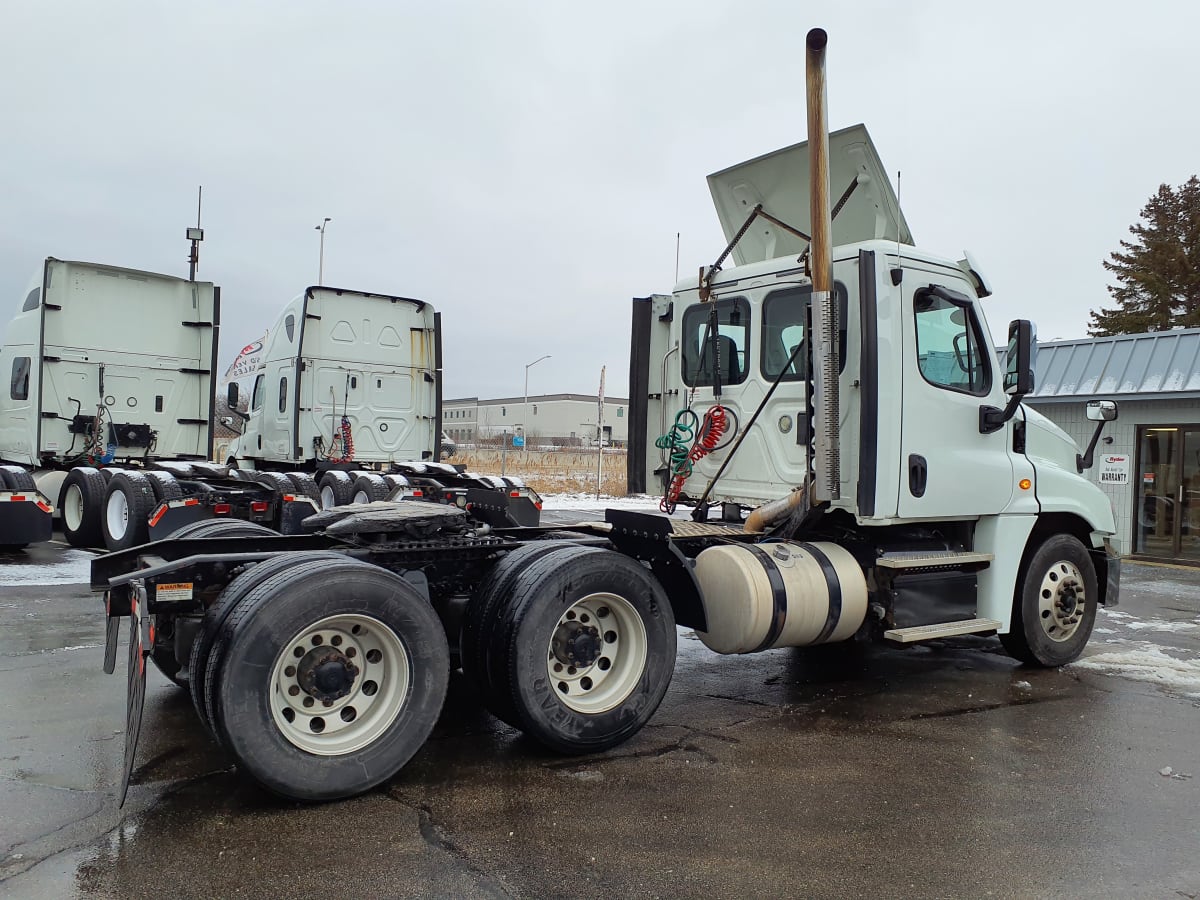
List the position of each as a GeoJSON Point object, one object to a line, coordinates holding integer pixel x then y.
{"type": "Point", "coordinates": [785, 594]}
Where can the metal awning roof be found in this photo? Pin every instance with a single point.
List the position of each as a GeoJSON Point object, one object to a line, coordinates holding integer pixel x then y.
{"type": "Point", "coordinates": [1155, 365]}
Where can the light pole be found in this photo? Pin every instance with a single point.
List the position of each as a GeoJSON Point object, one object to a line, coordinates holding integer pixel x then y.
{"type": "Point", "coordinates": [525, 405]}
{"type": "Point", "coordinates": [321, 265]}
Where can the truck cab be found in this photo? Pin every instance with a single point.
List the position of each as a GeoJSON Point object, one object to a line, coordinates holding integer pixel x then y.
{"type": "Point", "coordinates": [347, 376]}
{"type": "Point", "coordinates": [925, 438]}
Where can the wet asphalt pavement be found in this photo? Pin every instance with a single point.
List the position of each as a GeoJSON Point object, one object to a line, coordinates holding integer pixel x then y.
{"type": "Point", "coordinates": [940, 770]}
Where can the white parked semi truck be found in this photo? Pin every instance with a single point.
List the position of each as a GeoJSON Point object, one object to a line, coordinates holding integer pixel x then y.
{"type": "Point", "coordinates": [834, 395]}
{"type": "Point", "coordinates": [349, 392]}
{"type": "Point", "coordinates": [108, 417]}
{"type": "Point", "coordinates": [110, 368]}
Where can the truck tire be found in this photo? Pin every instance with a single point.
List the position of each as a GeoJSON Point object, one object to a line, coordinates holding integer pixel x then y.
{"type": "Point", "coordinates": [336, 489]}
{"type": "Point", "coordinates": [164, 486]}
{"type": "Point", "coordinates": [17, 479]}
{"type": "Point", "coordinates": [215, 616]}
{"type": "Point", "coordinates": [372, 661]}
{"type": "Point", "coordinates": [275, 481]}
{"type": "Point", "coordinates": [480, 617]}
{"type": "Point", "coordinates": [207, 528]}
{"type": "Point", "coordinates": [584, 649]}
{"type": "Point", "coordinates": [305, 485]}
{"type": "Point", "coordinates": [369, 488]}
{"type": "Point", "coordinates": [127, 506]}
{"type": "Point", "coordinates": [1054, 607]}
{"type": "Point", "coordinates": [81, 505]}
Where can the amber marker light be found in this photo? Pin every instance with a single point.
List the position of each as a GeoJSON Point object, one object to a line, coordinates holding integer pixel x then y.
{"type": "Point", "coordinates": [1025, 484]}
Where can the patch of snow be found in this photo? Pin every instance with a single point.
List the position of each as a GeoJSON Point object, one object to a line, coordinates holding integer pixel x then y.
{"type": "Point", "coordinates": [640, 502]}
{"type": "Point", "coordinates": [1163, 625]}
{"type": "Point", "coordinates": [1147, 663]}
{"type": "Point", "coordinates": [72, 567]}
{"type": "Point", "coordinates": [1103, 631]}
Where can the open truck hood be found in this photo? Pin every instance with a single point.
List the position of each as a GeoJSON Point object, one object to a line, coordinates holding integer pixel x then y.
{"type": "Point", "coordinates": [779, 181]}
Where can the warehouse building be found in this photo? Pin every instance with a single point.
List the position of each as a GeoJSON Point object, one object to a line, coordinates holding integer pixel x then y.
{"type": "Point", "coordinates": [1149, 459]}
{"type": "Point", "coordinates": [554, 420]}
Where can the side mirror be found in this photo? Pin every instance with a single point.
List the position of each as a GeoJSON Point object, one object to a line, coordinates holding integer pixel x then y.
{"type": "Point", "coordinates": [1018, 375]}
{"type": "Point", "coordinates": [1019, 361]}
{"type": "Point", "coordinates": [231, 394]}
{"type": "Point", "coordinates": [1099, 411]}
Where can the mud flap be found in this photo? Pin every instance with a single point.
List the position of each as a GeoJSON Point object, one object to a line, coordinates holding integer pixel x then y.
{"type": "Point", "coordinates": [141, 642]}
{"type": "Point", "coordinates": [112, 628]}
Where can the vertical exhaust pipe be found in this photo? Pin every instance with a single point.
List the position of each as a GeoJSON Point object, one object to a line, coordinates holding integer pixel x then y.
{"type": "Point", "coordinates": [824, 315]}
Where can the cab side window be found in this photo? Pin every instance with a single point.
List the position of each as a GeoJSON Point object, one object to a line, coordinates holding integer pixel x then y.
{"type": "Point", "coordinates": [18, 388]}
{"type": "Point", "coordinates": [732, 342]}
{"type": "Point", "coordinates": [256, 399]}
{"type": "Point", "coordinates": [950, 342]}
{"type": "Point", "coordinates": [784, 321]}
{"type": "Point", "coordinates": [33, 301]}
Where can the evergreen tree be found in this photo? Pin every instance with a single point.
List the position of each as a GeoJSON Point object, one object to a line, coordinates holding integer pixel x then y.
{"type": "Point", "coordinates": [1158, 272]}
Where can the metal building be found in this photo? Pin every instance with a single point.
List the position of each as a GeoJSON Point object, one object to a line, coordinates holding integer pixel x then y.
{"type": "Point", "coordinates": [1149, 459]}
{"type": "Point", "coordinates": [554, 420]}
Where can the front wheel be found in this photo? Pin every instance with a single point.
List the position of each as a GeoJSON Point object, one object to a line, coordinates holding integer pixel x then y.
{"type": "Point", "coordinates": [1055, 604]}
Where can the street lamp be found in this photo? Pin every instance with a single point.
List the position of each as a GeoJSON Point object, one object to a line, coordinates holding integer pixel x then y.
{"type": "Point", "coordinates": [321, 266]}
{"type": "Point", "coordinates": [525, 405]}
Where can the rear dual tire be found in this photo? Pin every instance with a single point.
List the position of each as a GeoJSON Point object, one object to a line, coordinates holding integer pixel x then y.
{"type": "Point", "coordinates": [81, 506]}
{"type": "Point", "coordinates": [371, 709]}
{"type": "Point", "coordinates": [573, 645]}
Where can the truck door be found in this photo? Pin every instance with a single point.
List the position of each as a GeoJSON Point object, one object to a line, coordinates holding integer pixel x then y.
{"type": "Point", "coordinates": [948, 469]}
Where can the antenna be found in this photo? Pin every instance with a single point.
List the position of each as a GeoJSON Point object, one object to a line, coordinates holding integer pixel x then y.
{"type": "Point", "coordinates": [898, 272]}
{"type": "Point", "coordinates": [195, 235]}
{"type": "Point", "coordinates": [676, 258]}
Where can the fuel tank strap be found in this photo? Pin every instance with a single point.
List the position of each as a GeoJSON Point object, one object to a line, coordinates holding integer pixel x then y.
{"type": "Point", "coordinates": [835, 591]}
{"type": "Point", "coordinates": [778, 594]}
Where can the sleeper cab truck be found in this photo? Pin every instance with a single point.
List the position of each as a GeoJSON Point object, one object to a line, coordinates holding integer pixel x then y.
{"type": "Point", "coordinates": [320, 662]}
{"type": "Point", "coordinates": [110, 372]}
{"type": "Point", "coordinates": [347, 403]}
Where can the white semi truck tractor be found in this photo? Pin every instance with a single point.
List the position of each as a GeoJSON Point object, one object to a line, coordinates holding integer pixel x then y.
{"type": "Point", "coordinates": [858, 460]}
{"type": "Point", "coordinates": [110, 372]}
{"type": "Point", "coordinates": [347, 403]}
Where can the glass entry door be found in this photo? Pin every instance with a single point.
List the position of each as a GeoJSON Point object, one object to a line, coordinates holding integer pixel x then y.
{"type": "Point", "coordinates": [1167, 514]}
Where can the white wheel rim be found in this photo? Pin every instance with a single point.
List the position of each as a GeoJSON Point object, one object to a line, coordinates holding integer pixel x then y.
{"type": "Point", "coordinates": [1062, 601]}
{"type": "Point", "coordinates": [118, 514]}
{"type": "Point", "coordinates": [73, 508]}
{"type": "Point", "coordinates": [374, 674]}
{"type": "Point", "coordinates": [611, 638]}
{"type": "Point", "coordinates": [328, 500]}
{"type": "Point", "coordinates": [361, 497]}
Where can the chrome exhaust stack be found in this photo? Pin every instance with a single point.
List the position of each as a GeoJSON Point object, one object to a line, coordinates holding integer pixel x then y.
{"type": "Point", "coordinates": [824, 345]}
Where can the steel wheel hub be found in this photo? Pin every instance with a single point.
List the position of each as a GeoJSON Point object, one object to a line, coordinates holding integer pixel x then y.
{"type": "Point", "coordinates": [325, 673]}
{"type": "Point", "coordinates": [118, 514]}
{"type": "Point", "coordinates": [1062, 601]}
{"type": "Point", "coordinates": [597, 653]}
{"type": "Point", "coordinates": [339, 684]}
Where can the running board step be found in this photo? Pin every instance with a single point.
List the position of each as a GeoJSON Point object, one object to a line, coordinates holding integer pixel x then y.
{"type": "Point", "coordinates": [937, 559]}
{"type": "Point", "coordinates": [940, 630]}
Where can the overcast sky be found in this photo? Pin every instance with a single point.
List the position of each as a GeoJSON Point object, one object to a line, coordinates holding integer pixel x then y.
{"type": "Point", "coordinates": [525, 167]}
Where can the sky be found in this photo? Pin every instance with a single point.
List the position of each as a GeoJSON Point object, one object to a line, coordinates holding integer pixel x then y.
{"type": "Point", "coordinates": [526, 167]}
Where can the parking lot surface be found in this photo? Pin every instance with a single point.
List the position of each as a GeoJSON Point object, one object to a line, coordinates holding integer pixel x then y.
{"type": "Point", "coordinates": [942, 770]}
